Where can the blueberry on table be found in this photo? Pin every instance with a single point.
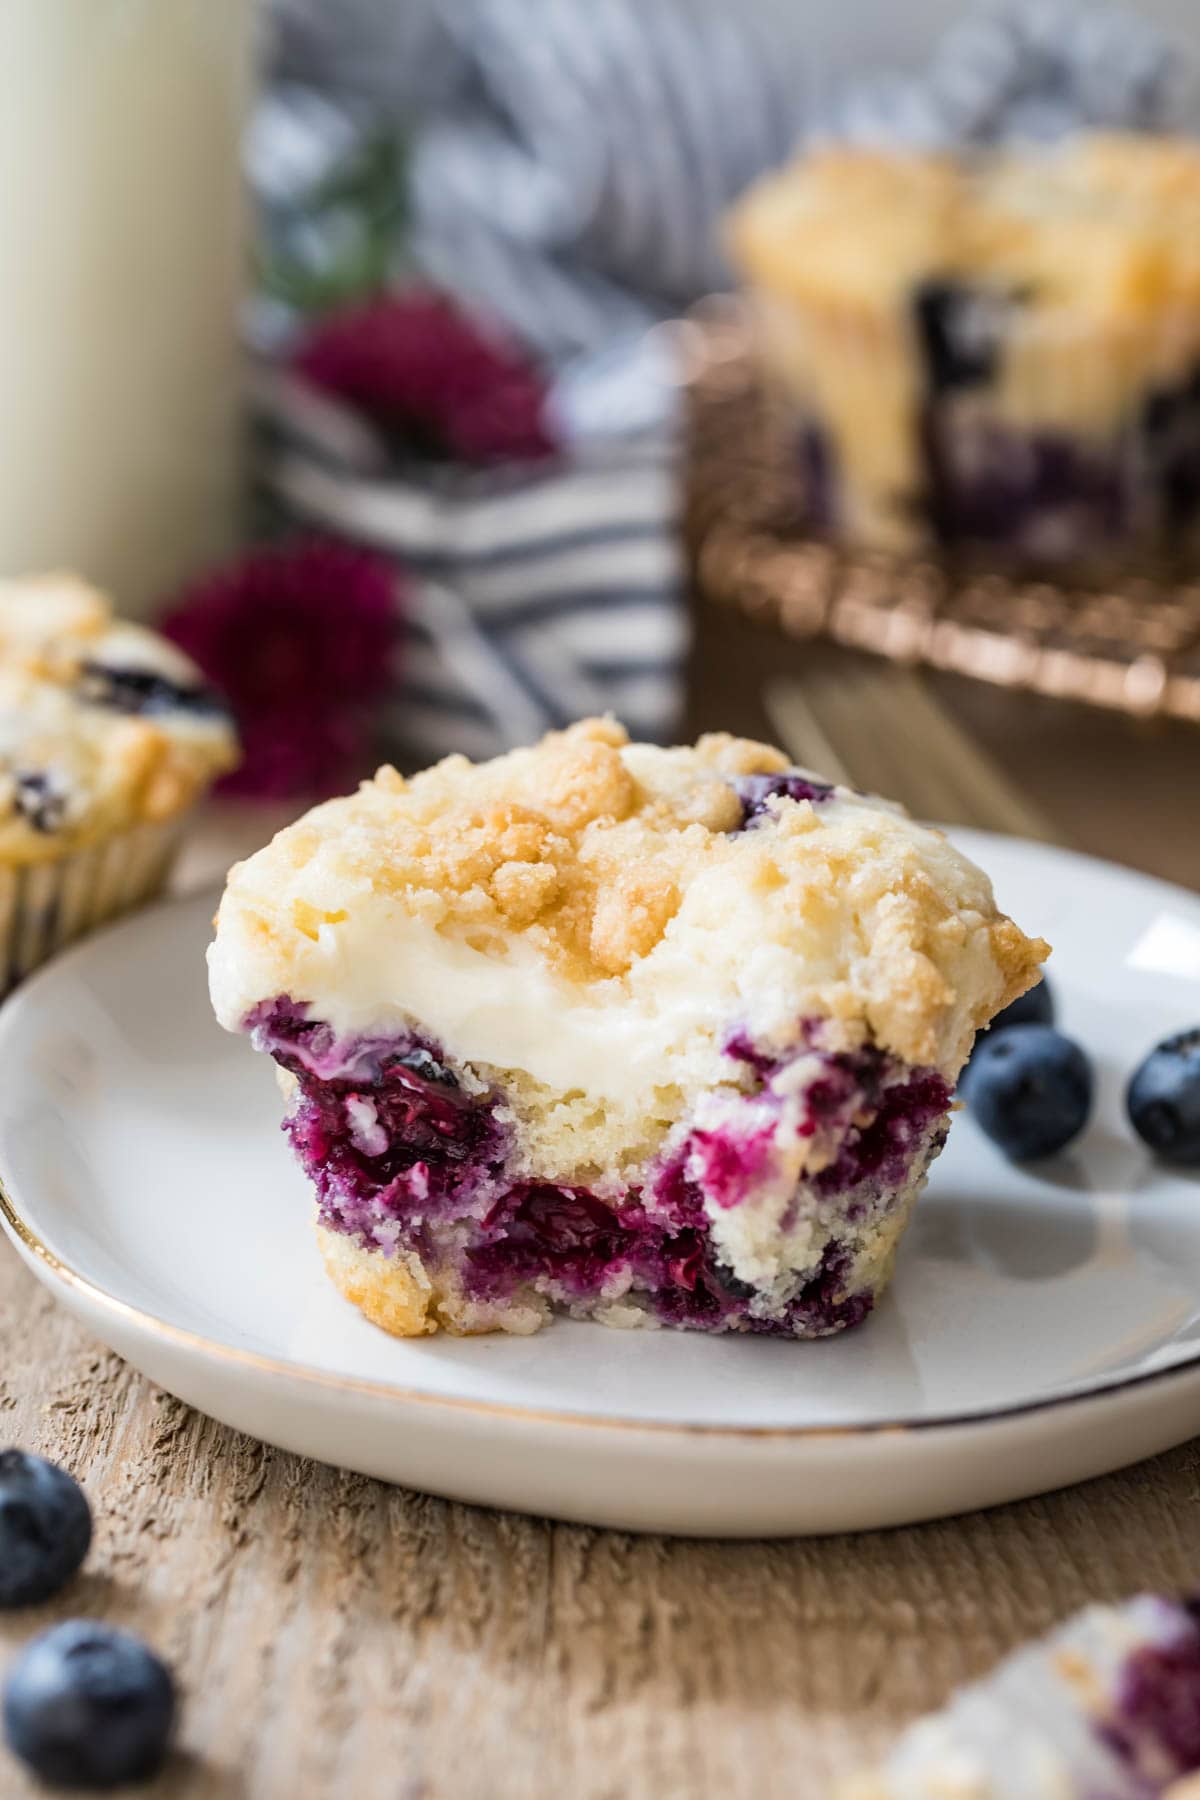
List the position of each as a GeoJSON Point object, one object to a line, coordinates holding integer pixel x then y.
{"type": "Point", "coordinates": [87, 1706]}
{"type": "Point", "coordinates": [1030, 1089]}
{"type": "Point", "coordinates": [1163, 1099]}
{"type": "Point", "coordinates": [45, 1528]}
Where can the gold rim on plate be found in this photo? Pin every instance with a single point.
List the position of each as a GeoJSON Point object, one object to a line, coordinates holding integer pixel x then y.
{"type": "Point", "coordinates": [304, 1373]}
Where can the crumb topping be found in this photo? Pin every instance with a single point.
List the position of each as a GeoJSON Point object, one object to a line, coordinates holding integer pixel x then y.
{"type": "Point", "coordinates": [569, 842]}
{"type": "Point", "coordinates": [623, 870]}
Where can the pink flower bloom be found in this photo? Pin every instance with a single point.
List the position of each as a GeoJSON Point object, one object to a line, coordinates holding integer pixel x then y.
{"type": "Point", "coordinates": [300, 638]}
{"type": "Point", "coordinates": [499, 423]}
{"type": "Point", "coordinates": [425, 372]}
{"type": "Point", "coordinates": [285, 757]}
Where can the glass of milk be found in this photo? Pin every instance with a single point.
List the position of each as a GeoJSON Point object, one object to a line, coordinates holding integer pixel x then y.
{"type": "Point", "coordinates": [123, 227]}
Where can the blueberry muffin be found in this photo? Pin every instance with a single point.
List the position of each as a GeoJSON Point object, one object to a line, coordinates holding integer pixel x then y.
{"type": "Point", "coordinates": [655, 1037]}
{"type": "Point", "coordinates": [998, 354]}
{"type": "Point", "coordinates": [107, 739]}
{"type": "Point", "coordinates": [1109, 1705]}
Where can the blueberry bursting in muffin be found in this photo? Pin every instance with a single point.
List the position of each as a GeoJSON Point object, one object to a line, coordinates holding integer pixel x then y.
{"type": "Point", "coordinates": [1107, 1708]}
{"type": "Point", "coordinates": [1000, 353]}
{"type": "Point", "coordinates": [641, 1035]}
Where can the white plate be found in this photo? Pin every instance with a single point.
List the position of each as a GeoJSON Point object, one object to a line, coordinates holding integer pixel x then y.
{"type": "Point", "coordinates": [1043, 1327]}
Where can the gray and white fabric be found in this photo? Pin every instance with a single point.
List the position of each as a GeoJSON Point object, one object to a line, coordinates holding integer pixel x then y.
{"type": "Point", "coordinates": [1029, 70]}
{"type": "Point", "coordinates": [570, 159]}
{"type": "Point", "coordinates": [530, 602]}
{"type": "Point", "coordinates": [575, 185]}
{"type": "Point", "coordinates": [568, 162]}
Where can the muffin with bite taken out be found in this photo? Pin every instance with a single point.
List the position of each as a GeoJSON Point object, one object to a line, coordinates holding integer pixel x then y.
{"type": "Point", "coordinates": [647, 1036]}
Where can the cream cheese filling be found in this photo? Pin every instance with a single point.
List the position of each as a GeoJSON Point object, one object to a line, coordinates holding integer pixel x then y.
{"type": "Point", "coordinates": [509, 1011]}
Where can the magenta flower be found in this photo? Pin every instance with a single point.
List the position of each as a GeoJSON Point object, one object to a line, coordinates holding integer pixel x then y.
{"type": "Point", "coordinates": [431, 377]}
{"type": "Point", "coordinates": [300, 638]}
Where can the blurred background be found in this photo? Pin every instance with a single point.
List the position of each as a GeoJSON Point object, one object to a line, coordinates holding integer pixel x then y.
{"type": "Point", "coordinates": [375, 354]}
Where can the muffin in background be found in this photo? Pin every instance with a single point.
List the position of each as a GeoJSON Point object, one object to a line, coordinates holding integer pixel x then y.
{"type": "Point", "coordinates": [108, 738]}
{"type": "Point", "coordinates": [996, 354]}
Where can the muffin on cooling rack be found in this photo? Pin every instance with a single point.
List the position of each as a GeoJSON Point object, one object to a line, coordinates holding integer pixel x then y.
{"type": "Point", "coordinates": [107, 739]}
{"type": "Point", "coordinates": [640, 1035]}
{"type": "Point", "coordinates": [1108, 1705]}
{"type": "Point", "coordinates": [998, 354]}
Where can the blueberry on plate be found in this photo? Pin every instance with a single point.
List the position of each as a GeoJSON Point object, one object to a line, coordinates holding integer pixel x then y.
{"type": "Point", "coordinates": [1163, 1099]}
{"type": "Point", "coordinates": [1030, 1089]}
{"type": "Point", "coordinates": [45, 1528]}
{"type": "Point", "coordinates": [1033, 1008]}
{"type": "Point", "coordinates": [87, 1706]}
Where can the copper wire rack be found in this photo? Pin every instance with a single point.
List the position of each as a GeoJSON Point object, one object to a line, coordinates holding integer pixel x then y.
{"type": "Point", "coordinates": [1132, 645]}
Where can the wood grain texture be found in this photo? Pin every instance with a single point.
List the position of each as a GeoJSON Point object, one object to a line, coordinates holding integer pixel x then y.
{"type": "Point", "coordinates": [339, 1640]}
{"type": "Point", "coordinates": [346, 1641]}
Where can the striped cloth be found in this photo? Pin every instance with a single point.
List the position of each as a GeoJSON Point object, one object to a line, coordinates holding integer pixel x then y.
{"type": "Point", "coordinates": [570, 161]}
{"type": "Point", "coordinates": [575, 186]}
{"type": "Point", "coordinates": [1032, 70]}
{"type": "Point", "coordinates": [534, 600]}
{"type": "Point", "coordinates": [568, 165]}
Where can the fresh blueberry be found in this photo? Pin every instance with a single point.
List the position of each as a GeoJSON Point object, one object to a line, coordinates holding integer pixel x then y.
{"type": "Point", "coordinates": [1033, 1008]}
{"type": "Point", "coordinates": [959, 329]}
{"type": "Point", "coordinates": [87, 1706]}
{"type": "Point", "coordinates": [45, 1528]}
{"type": "Point", "coordinates": [1163, 1098]}
{"type": "Point", "coordinates": [1030, 1090]}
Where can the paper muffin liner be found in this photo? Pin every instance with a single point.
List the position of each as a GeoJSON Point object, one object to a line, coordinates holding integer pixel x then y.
{"type": "Point", "coordinates": [1100, 419]}
{"type": "Point", "coordinates": [45, 906]}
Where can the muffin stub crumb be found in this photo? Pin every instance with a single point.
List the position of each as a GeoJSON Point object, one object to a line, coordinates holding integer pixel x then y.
{"type": "Point", "coordinates": [1108, 1704]}
{"type": "Point", "coordinates": [610, 1029]}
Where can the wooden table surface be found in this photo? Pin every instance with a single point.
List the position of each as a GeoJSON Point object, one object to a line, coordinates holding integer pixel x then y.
{"type": "Point", "coordinates": [339, 1640]}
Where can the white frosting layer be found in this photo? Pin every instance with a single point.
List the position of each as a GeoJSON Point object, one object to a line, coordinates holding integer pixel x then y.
{"type": "Point", "coordinates": [387, 968]}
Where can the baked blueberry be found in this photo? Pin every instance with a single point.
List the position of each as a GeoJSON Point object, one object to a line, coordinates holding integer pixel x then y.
{"type": "Point", "coordinates": [144, 692]}
{"type": "Point", "coordinates": [88, 1706]}
{"type": "Point", "coordinates": [45, 1528]}
{"type": "Point", "coordinates": [1030, 1089]}
{"type": "Point", "coordinates": [754, 792]}
{"type": "Point", "coordinates": [1163, 1099]}
{"type": "Point", "coordinates": [40, 799]}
